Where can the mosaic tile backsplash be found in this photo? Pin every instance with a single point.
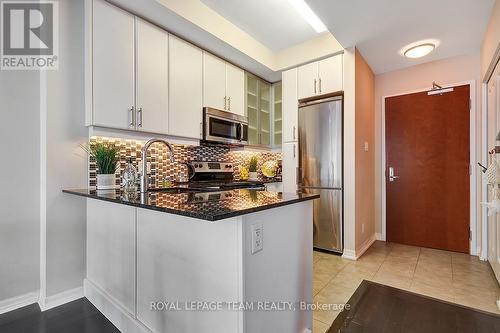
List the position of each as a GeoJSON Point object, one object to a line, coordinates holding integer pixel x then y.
{"type": "Point", "coordinates": [161, 166]}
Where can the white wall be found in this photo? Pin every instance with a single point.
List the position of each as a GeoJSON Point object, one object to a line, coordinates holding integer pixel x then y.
{"type": "Point", "coordinates": [420, 77]}
{"type": "Point", "coordinates": [491, 42]}
{"type": "Point", "coordinates": [66, 162]}
{"type": "Point", "coordinates": [349, 154]}
{"type": "Point", "coordinates": [20, 183]}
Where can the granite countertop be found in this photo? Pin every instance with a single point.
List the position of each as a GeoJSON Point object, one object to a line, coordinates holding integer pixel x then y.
{"type": "Point", "coordinates": [234, 202]}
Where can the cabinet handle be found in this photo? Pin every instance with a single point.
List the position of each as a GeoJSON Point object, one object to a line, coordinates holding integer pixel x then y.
{"type": "Point", "coordinates": [320, 85]}
{"type": "Point", "coordinates": [131, 115]}
{"type": "Point", "coordinates": [315, 86]}
{"type": "Point", "coordinates": [294, 132]}
{"type": "Point", "coordinates": [229, 103]}
{"type": "Point", "coordinates": [294, 154]}
{"type": "Point", "coordinates": [139, 112]}
{"type": "Point", "coordinates": [225, 103]}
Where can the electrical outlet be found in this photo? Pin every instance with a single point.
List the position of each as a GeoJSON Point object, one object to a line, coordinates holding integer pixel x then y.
{"type": "Point", "coordinates": [257, 238]}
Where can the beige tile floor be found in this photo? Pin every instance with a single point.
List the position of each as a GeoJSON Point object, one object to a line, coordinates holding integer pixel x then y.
{"type": "Point", "coordinates": [450, 276]}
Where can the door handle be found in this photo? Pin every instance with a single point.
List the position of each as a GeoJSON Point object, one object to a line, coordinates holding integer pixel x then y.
{"type": "Point", "coordinates": [314, 86]}
{"type": "Point", "coordinates": [225, 102]}
{"type": "Point", "coordinates": [391, 174]}
{"type": "Point", "coordinates": [319, 83]}
{"type": "Point", "coordinates": [294, 151]}
{"type": "Point", "coordinates": [229, 103]}
{"type": "Point", "coordinates": [294, 132]}
{"type": "Point", "coordinates": [240, 125]}
{"type": "Point", "coordinates": [139, 112]}
{"type": "Point", "coordinates": [131, 114]}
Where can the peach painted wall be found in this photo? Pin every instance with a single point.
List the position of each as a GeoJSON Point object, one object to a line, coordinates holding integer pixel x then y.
{"type": "Point", "coordinates": [365, 160]}
{"type": "Point", "coordinates": [417, 78]}
{"type": "Point", "coordinates": [491, 41]}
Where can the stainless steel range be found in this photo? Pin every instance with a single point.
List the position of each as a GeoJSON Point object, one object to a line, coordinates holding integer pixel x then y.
{"type": "Point", "coordinates": [217, 176]}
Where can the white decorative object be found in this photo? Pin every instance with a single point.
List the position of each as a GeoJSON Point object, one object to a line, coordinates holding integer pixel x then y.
{"type": "Point", "coordinates": [106, 182]}
{"type": "Point", "coordinates": [253, 176]}
{"type": "Point", "coordinates": [492, 175]}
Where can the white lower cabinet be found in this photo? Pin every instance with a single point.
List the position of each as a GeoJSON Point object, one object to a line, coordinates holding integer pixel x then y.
{"type": "Point", "coordinates": [290, 165]}
{"type": "Point", "coordinates": [180, 259]}
{"type": "Point", "coordinates": [111, 250]}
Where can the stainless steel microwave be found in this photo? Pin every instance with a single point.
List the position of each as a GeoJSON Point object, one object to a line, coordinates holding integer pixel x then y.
{"type": "Point", "coordinates": [224, 127]}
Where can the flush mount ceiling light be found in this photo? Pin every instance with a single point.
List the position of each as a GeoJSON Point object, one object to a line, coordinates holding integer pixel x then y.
{"type": "Point", "coordinates": [303, 9]}
{"type": "Point", "coordinates": [419, 50]}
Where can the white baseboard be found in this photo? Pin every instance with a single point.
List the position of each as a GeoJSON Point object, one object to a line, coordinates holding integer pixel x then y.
{"type": "Point", "coordinates": [17, 302]}
{"type": "Point", "coordinates": [349, 254]}
{"type": "Point", "coordinates": [62, 298]}
{"type": "Point", "coordinates": [365, 246]}
{"type": "Point", "coordinates": [112, 310]}
{"type": "Point", "coordinates": [378, 236]}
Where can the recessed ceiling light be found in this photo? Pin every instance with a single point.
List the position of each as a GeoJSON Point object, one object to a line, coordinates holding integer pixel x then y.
{"type": "Point", "coordinates": [303, 9]}
{"type": "Point", "coordinates": [419, 51]}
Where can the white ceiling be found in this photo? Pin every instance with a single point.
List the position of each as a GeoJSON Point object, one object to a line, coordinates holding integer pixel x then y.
{"type": "Point", "coordinates": [380, 28]}
{"type": "Point", "coordinates": [274, 23]}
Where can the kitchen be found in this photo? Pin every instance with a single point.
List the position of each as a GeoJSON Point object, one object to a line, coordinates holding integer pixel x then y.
{"type": "Point", "coordinates": [260, 151]}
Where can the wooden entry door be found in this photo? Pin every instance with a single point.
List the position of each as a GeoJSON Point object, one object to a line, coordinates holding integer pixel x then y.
{"type": "Point", "coordinates": [427, 147]}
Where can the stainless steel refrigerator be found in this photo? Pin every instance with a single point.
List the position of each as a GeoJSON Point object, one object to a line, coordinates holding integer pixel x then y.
{"type": "Point", "coordinates": [320, 167]}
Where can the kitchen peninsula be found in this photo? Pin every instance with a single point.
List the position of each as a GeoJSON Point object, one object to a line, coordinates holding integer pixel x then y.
{"type": "Point", "coordinates": [177, 247]}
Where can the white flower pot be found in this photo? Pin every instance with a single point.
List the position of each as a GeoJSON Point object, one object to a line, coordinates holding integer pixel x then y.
{"type": "Point", "coordinates": [106, 182]}
{"type": "Point", "coordinates": [253, 176]}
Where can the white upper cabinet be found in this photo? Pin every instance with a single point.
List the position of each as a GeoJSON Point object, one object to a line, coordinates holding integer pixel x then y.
{"type": "Point", "coordinates": [320, 77]}
{"type": "Point", "coordinates": [235, 89]}
{"type": "Point", "coordinates": [152, 78]}
{"type": "Point", "coordinates": [186, 89]}
{"type": "Point", "coordinates": [223, 85]}
{"type": "Point", "coordinates": [308, 80]}
{"type": "Point", "coordinates": [214, 82]}
{"type": "Point", "coordinates": [290, 105]}
{"type": "Point", "coordinates": [330, 74]}
{"type": "Point", "coordinates": [113, 67]}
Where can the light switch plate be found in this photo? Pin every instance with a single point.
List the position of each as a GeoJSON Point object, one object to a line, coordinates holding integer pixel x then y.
{"type": "Point", "coordinates": [257, 238]}
{"type": "Point", "coordinates": [366, 146]}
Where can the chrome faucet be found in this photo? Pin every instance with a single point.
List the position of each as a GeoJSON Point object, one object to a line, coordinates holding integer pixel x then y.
{"type": "Point", "coordinates": [144, 171]}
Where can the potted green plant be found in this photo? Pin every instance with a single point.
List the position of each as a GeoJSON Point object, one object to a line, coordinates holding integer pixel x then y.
{"type": "Point", "coordinates": [252, 168]}
{"type": "Point", "coordinates": [106, 157]}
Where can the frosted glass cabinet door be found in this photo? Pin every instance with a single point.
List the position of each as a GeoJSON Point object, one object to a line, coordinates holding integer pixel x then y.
{"type": "Point", "coordinates": [265, 114]}
{"type": "Point", "coordinates": [113, 66]}
{"type": "Point", "coordinates": [214, 82]}
{"type": "Point", "coordinates": [253, 109]}
{"type": "Point", "coordinates": [152, 78]}
{"type": "Point", "coordinates": [186, 93]}
{"type": "Point", "coordinates": [235, 89]}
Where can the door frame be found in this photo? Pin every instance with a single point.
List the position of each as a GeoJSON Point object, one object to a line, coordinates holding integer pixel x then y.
{"type": "Point", "coordinates": [473, 170]}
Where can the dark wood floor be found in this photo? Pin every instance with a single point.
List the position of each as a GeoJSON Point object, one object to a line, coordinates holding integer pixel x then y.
{"type": "Point", "coordinates": [377, 308]}
{"type": "Point", "coordinates": [79, 316]}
